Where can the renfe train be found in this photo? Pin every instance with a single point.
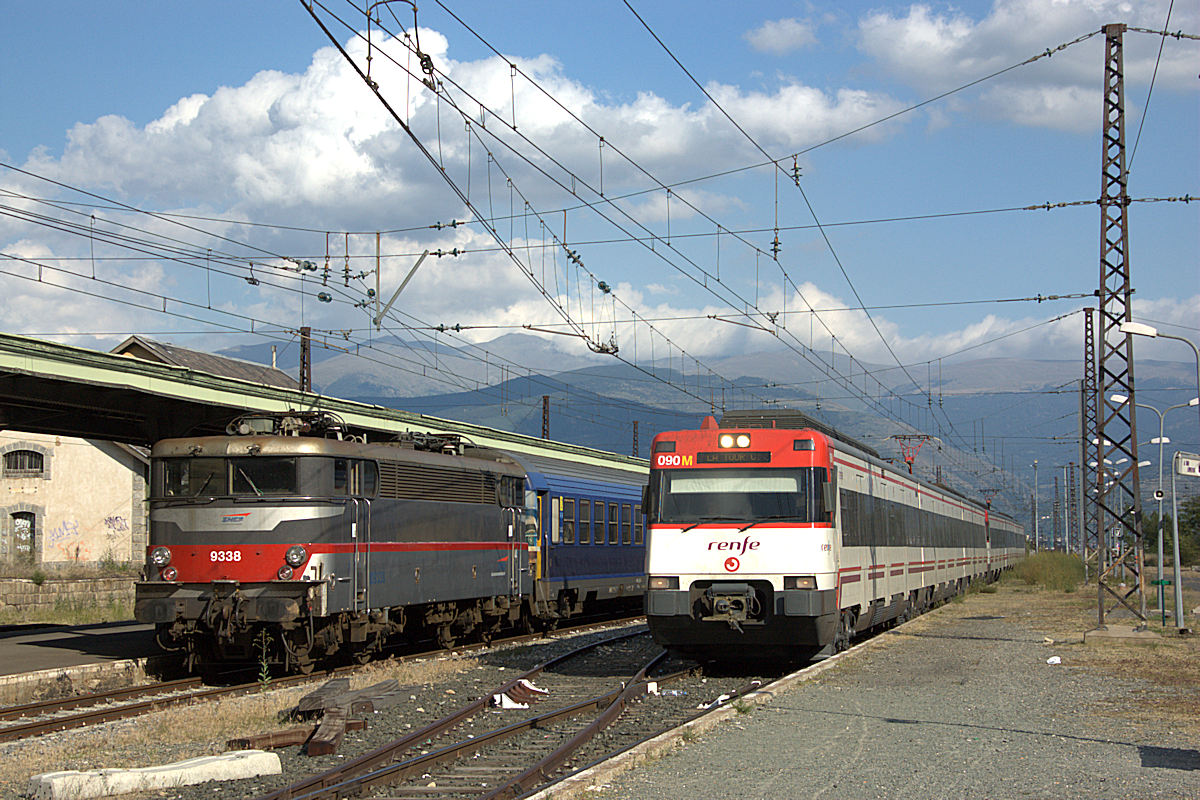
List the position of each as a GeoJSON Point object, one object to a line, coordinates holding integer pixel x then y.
{"type": "Point", "coordinates": [288, 537]}
{"type": "Point", "coordinates": [772, 535]}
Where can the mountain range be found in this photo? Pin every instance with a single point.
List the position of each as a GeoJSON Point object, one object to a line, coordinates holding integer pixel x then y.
{"type": "Point", "coordinates": [1006, 412]}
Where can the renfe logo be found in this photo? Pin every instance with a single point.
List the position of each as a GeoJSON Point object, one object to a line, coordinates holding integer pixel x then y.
{"type": "Point", "coordinates": [741, 547]}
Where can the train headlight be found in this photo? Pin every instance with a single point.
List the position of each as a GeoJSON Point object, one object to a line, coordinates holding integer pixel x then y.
{"type": "Point", "coordinates": [663, 582]}
{"type": "Point", "coordinates": [169, 574]}
{"type": "Point", "coordinates": [727, 440]}
{"type": "Point", "coordinates": [296, 556]}
{"type": "Point", "coordinates": [160, 556]}
{"type": "Point", "coordinates": [800, 582]}
{"type": "Point", "coordinates": [285, 573]}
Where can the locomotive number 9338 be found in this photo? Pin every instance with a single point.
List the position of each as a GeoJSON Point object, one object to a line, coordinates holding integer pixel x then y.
{"type": "Point", "coordinates": [290, 538]}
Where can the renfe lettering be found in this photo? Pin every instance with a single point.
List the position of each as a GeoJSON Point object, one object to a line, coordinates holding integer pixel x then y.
{"type": "Point", "coordinates": [741, 547]}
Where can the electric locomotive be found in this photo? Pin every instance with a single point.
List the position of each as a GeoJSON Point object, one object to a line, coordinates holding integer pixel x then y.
{"type": "Point", "coordinates": [773, 535]}
{"type": "Point", "coordinates": [290, 540]}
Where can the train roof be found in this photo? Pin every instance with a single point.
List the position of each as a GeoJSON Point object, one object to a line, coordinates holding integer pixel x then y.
{"type": "Point", "coordinates": [789, 419]}
{"type": "Point", "coordinates": [546, 472]}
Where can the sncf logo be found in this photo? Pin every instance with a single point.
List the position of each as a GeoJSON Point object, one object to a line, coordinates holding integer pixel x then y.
{"type": "Point", "coordinates": [742, 547]}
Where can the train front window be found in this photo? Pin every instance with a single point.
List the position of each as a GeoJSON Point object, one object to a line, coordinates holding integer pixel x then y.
{"type": "Point", "coordinates": [259, 476]}
{"type": "Point", "coordinates": [744, 495]}
{"type": "Point", "coordinates": [193, 477]}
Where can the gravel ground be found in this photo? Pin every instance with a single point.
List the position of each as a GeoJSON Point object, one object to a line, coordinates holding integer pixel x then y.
{"type": "Point", "coordinates": [960, 703]}
{"type": "Point", "coordinates": [434, 687]}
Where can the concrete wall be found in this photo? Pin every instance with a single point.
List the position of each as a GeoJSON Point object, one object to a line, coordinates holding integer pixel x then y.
{"type": "Point", "coordinates": [23, 595]}
{"type": "Point", "coordinates": [88, 503]}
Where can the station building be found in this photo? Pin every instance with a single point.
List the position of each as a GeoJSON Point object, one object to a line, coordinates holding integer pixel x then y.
{"type": "Point", "coordinates": [69, 502]}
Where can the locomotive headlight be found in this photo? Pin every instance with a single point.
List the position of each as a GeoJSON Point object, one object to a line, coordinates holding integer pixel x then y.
{"type": "Point", "coordinates": [169, 574]}
{"type": "Point", "coordinates": [742, 440]}
{"type": "Point", "coordinates": [160, 556]}
{"type": "Point", "coordinates": [800, 582]}
{"type": "Point", "coordinates": [663, 582]}
{"type": "Point", "coordinates": [295, 556]}
{"type": "Point", "coordinates": [725, 440]}
{"type": "Point", "coordinates": [285, 573]}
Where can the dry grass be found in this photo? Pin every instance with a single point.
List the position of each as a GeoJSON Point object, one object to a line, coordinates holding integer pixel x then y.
{"type": "Point", "coordinates": [191, 731]}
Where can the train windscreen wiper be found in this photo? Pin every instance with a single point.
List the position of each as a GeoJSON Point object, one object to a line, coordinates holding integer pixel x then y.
{"type": "Point", "coordinates": [769, 517]}
{"type": "Point", "coordinates": [702, 520]}
{"type": "Point", "coordinates": [242, 472]}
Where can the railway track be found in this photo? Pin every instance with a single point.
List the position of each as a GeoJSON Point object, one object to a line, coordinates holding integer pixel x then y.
{"type": "Point", "coordinates": [95, 708]}
{"type": "Point", "coordinates": [587, 704]}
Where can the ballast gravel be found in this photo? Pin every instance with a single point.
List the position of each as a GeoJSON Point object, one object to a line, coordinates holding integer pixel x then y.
{"type": "Point", "coordinates": [948, 706]}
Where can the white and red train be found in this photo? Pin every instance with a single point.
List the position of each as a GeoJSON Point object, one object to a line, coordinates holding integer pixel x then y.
{"type": "Point", "coordinates": [773, 535]}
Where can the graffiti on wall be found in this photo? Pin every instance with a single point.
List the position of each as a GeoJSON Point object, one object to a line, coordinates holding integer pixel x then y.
{"type": "Point", "coordinates": [65, 542]}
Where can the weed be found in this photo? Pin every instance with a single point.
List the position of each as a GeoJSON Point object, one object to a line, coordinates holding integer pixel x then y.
{"type": "Point", "coordinates": [743, 706]}
{"type": "Point", "coordinates": [38, 577]}
{"type": "Point", "coordinates": [1058, 572]}
{"type": "Point", "coordinates": [263, 640]}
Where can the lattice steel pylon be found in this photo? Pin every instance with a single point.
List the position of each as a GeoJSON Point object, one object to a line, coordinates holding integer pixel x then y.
{"type": "Point", "coordinates": [1089, 447]}
{"type": "Point", "coordinates": [1117, 486]}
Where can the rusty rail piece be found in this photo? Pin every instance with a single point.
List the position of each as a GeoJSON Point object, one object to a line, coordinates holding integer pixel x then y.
{"type": "Point", "coordinates": [37, 728]}
{"type": "Point", "coordinates": [95, 698]}
{"type": "Point", "coordinates": [375, 767]}
{"type": "Point", "coordinates": [544, 769]}
{"type": "Point", "coordinates": [108, 714]}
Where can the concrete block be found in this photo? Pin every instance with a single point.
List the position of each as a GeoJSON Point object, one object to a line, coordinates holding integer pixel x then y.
{"type": "Point", "coordinates": [76, 785]}
{"type": "Point", "coordinates": [1124, 633]}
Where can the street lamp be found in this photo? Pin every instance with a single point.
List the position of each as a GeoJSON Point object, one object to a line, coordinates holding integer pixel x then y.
{"type": "Point", "coordinates": [1139, 329]}
{"type": "Point", "coordinates": [1037, 539]}
{"type": "Point", "coordinates": [1160, 440]}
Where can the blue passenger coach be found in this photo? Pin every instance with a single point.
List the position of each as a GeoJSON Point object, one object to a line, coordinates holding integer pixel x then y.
{"type": "Point", "coordinates": [592, 534]}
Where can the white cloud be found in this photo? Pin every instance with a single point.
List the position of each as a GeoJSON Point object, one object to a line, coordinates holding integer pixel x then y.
{"type": "Point", "coordinates": [781, 36]}
{"type": "Point", "coordinates": [316, 150]}
{"type": "Point", "coordinates": [935, 50]}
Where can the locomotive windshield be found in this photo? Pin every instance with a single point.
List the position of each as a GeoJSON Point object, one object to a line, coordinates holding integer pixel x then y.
{"type": "Point", "coordinates": [703, 495]}
{"type": "Point", "coordinates": [206, 477]}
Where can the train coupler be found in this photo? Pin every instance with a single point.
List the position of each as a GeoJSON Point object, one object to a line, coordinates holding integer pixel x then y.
{"type": "Point", "coordinates": [732, 603]}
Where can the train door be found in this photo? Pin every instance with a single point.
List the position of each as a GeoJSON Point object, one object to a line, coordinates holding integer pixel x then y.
{"type": "Point", "coordinates": [513, 526]}
{"type": "Point", "coordinates": [554, 538]}
{"type": "Point", "coordinates": [987, 536]}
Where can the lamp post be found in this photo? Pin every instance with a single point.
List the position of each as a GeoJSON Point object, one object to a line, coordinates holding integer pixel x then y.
{"type": "Point", "coordinates": [1037, 539]}
{"type": "Point", "coordinates": [1138, 329]}
{"type": "Point", "coordinates": [1181, 464]}
{"type": "Point", "coordinates": [1160, 440]}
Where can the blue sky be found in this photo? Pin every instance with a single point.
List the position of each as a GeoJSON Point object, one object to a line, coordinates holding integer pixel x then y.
{"type": "Point", "coordinates": [241, 112]}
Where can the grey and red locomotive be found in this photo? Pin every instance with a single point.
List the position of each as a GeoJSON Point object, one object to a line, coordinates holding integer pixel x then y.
{"type": "Point", "coordinates": [289, 536]}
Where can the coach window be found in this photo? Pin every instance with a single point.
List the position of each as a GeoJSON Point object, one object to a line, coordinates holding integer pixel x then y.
{"type": "Point", "coordinates": [568, 520]}
{"type": "Point", "coordinates": [626, 523]}
{"type": "Point", "coordinates": [585, 521]}
{"type": "Point", "coordinates": [639, 525]}
{"type": "Point", "coordinates": [612, 523]}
